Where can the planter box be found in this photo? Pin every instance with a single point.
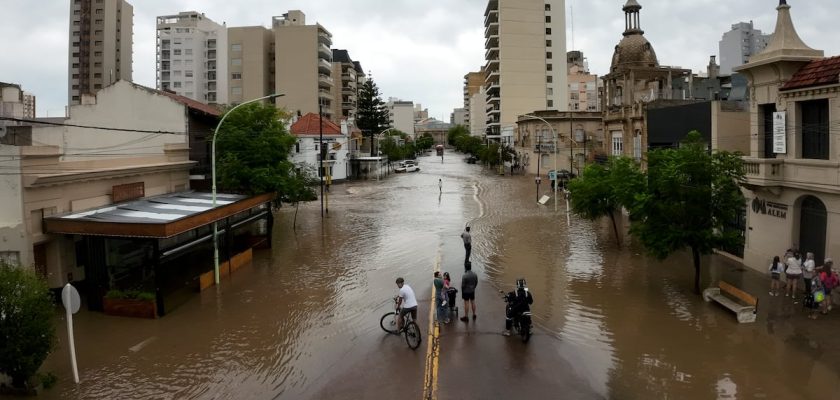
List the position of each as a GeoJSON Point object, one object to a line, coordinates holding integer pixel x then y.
{"type": "Point", "coordinates": [130, 308]}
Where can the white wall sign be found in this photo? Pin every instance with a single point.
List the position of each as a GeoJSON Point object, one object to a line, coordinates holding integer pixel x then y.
{"type": "Point", "coordinates": [779, 137]}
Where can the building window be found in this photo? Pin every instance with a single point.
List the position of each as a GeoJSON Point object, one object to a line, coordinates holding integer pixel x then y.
{"type": "Point", "coordinates": [548, 67]}
{"type": "Point", "coordinates": [10, 258]}
{"type": "Point", "coordinates": [100, 11]}
{"type": "Point", "coordinates": [815, 129]}
{"type": "Point", "coordinates": [176, 84]}
{"type": "Point", "coordinates": [549, 79]}
{"type": "Point", "coordinates": [176, 52]}
{"type": "Point", "coordinates": [548, 55]}
{"type": "Point", "coordinates": [766, 114]}
{"type": "Point", "coordinates": [188, 74]}
{"type": "Point", "coordinates": [236, 75]}
{"type": "Point", "coordinates": [97, 43]}
{"type": "Point", "coordinates": [549, 91]}
{"type": "Point", "coordinates": [547, 19]}
{"type": "Point", "coordinates": [548, 7]}
{"type": "Point", "coordinates": [617, 143]}
{"type": "Point", "coordinates": [637, 146]}
{"type": "Point", "coordinates": [549, 103]}
{"type": "Point", "coordinates": [236, 91]}
{"type": "Point", "coordinates": [547, 31]}
{"type": "Point", "coordinates": [548, 43]}
{"type": "Point", "coordinates": [236, 47]}
{"type": "Point", "coordinates": [75, 98]}
{"type": "Point", "coordinates": [236, 61]}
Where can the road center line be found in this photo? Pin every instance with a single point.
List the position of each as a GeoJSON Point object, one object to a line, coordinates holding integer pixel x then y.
{"type": "Point", "coordinates": [430, 376]}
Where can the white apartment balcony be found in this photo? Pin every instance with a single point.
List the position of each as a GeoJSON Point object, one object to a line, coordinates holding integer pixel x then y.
{"type": "Point", "coordinates": [492, 77]}
{"type": "Point", "coordinates": [348, 91]}
{"type": "Point", "coordinates": [493, 110]}
{"type": "Point", "coordinates": [492, 5]}
{"type": "Point", "coordinates": [774, 173]}
{"type": "Point", "coordinates": [324, 38]}
{"type": "Point", "coordinates": [325, 81]}
{"type": "Point", "coordinates": [491, 16]}
{"type": "Point", "coordinates": [324, 66]}
{"type": "Point", "coordinates": [492, 53]}
{"type": "Point", "coordinates": [492, 65]}
{"type": "Point", "coordinates": [492, 41]}
{"type": "Point", "coordinates": [324, 52]}
{"type": "Point", "coordinates": [493, 89]}
{"type": "Point", "coordinates": [325, 94]}
{"type": "Point", "coordinates": [491, 29]}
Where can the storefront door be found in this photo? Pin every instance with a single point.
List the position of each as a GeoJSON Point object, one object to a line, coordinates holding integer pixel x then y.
{"type": "Point", "coordinates": [812, 228]}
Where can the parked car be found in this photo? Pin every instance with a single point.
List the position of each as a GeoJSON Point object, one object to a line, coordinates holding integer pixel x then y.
{"type": "Point", "coordinates": [470, 160]}
{"type": "Point", "coordinates": [411, 166]}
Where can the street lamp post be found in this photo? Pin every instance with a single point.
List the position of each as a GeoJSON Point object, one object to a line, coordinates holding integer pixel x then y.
{"type": "Point", "coordinates": [539, 159]}
{"type": "Point", "coordinates": [213, 169]}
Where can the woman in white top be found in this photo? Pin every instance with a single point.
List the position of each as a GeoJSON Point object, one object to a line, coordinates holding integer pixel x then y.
{"type": "Point", "coordinates": [776, 269]}
{"type": "Point", "coordinates": [793, 272]}
{"type": "Point", "coordinates": [808, 271]}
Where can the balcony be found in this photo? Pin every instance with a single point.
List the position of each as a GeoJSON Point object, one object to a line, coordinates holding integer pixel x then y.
{"type": "Point", "coordinates": [492, 41]}
{"type": "Point", "coordinates": [492, 65]}
{"type": "Point", "coordinates": [324, 52]}
{"type": "Point", "coordinates": [492, 5]}
{"type": "Point", "coordinates": [325, 94]}
{"type": "Point", "coordinates": [493, 89]}
{"type": "Point", "coordinates": [324, 66]}
{"type": "Point", "coordinates": [492, 53]}
{"type": "Point", "coordinates": [820, 175]}
{"type": "Point", "coordinates": [492, 16]}
{"type": "Point", "coordinates": [325, 81]}
{"type": "Point", "coordinates": [324, 38]}
{"type": "Point", "coordinates": [491, 29]}
{"type": "Point", "coordinates": [492, 77]}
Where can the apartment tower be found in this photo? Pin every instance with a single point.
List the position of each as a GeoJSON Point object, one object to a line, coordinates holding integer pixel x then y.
{"type": "Point", "coordinates": [526, 60]}
{"type": "Point", "coordinates": [475, 102]}
{"type": "Point", "coordinates": [303, 65]}
{"type": "Point", "coordinates": [192, 57]}
{"type": "Point", "coordinates": [100, 45]}
{"type": "Point", "coordinates": [250, 63]}
{"type": "Point", "coordinates": [344, 94]}
{"type": "Point", "coordinates": [739, 44]}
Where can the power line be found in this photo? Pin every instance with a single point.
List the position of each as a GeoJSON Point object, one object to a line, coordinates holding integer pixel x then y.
{"type": "Point", "coordinates": [103, 128]}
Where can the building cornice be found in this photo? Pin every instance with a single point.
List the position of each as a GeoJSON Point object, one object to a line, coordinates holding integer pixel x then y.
{"type": "Point", "coordinates": [33, 180]}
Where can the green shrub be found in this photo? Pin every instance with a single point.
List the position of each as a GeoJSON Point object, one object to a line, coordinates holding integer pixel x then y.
{"type": "Point", "coordinates": [26, 326]}
{"type": "Point", "coordinates": [130, 295]}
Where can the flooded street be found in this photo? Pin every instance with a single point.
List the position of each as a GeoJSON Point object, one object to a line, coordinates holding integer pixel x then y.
{"type": "Point", "coordinates": [303, 320]}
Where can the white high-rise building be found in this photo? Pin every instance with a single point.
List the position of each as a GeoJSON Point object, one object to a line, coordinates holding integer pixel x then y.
{"type": "Point", "coordinates": [192, 57]}
{"type": "Point", "coordinates": [525, 42]}
{"type": "Point", "coordinates": [739, 44]}
{"type": "Point", "coordinates": [401, 115]}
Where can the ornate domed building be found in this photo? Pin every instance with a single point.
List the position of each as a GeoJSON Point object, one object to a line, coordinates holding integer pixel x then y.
{"type": "Point", "coordinates": [635, 79]}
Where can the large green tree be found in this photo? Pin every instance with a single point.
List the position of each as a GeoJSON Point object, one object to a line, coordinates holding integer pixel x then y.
{"type": "Point", "coordinates": [603, 190]}
{"type": "Point", "coordinates": [455, 132]}
{"type": "Point", "coordinates": [253, 150]}
{"type": "Point", "coordinates": [690, 195]}
{"type": "Point", "coordinates": [372, 115]}
{"type": "Point", "coordinates": [26, 323]}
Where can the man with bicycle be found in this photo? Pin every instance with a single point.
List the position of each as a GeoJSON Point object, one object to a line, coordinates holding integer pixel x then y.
{"type": "Point", "coordinates": [407, 301]}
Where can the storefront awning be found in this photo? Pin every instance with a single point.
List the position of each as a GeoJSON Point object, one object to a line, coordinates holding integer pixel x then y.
{"type": "Point", "coordinates": [155, 217]}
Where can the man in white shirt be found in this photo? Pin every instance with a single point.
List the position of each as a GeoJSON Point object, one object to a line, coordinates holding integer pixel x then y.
{"type": "Point", "coordinates": [407, 301]}
{"type": "Point", "coordinates": [465, 235]}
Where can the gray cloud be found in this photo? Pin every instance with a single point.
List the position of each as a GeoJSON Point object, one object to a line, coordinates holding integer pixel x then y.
{"type": "Point", "coordinates": [416, 50]}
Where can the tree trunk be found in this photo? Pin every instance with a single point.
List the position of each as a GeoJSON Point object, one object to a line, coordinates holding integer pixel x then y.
{"type": "Point", "coordinates": [696, 255]}
{"type": "Point", "coordinates": [615, 228]}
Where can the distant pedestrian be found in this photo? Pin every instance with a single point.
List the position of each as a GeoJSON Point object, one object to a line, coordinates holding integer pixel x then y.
{"type": "Point", "coordinates": [793, 271]}
{"type": "Point", "coordinates": [809, 271]}
{"type": "Point", "coordinates": [830, 281]}
{"type": "Point", "coordinates": [441, 309]}
{"type": "Point", "coordinates": [469, 281]}
{"type": "Point", "coordinates": [467, 243]}
{"type": "Point", "coordinates": [440, 185]}
{"type": "Point", "coordinates": [776, 269]}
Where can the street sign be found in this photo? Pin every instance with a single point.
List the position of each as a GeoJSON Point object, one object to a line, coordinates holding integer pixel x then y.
{"type": "Point", "coordinates": [552, 175]}
{"type": "Point", "coordinates": [70, 298]}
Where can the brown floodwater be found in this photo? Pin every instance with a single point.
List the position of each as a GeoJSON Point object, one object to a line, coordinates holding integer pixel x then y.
{"type": "Point", "coordinates": [304, 317]}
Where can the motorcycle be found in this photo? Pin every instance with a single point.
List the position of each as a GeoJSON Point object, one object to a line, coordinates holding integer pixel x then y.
{"type": "Point", "coordinates": [521, 323]}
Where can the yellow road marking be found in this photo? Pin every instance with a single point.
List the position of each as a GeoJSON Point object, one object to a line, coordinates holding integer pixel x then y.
{"type": "Point", "coordinates": [430, 376]}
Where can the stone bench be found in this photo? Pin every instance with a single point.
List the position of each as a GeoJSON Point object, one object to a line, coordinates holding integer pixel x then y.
{"type": "Point", "coordinates": [736, 300]}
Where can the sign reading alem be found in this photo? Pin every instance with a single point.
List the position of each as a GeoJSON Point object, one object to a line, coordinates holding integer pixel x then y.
{"type": "Point", "coordinates": [761, 206]}
{"type": "Point", "coordinates": [779, 139]}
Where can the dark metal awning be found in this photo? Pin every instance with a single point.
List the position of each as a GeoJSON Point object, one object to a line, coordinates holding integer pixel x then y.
{"type": "Point", "coordinates": [155, 217]}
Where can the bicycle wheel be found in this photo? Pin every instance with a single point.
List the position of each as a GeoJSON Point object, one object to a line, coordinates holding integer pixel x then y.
{"type": "Point", "coordinates": [412, 335]}
{"type": "Point", "coordinates": [525, 329]}
{"type": "Point", "coordinates": [389, 323]}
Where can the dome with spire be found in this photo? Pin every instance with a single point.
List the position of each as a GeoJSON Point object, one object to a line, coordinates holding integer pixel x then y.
{"type": "Point", "coordinates": [633, 50]}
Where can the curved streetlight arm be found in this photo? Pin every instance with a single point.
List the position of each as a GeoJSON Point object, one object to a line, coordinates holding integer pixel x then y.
{"type": "Point", "coordinates": [539, 156]}
{"type": "Point", "coordinates": [213, 172]}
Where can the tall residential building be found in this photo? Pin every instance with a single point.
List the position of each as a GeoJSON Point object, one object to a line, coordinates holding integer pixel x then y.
{"type": "Point", "coordinates": [303, 65]}
{"type": "Point", "coordinates": [739, 44]}
{"type": "Point", "coordinates": [15, 103]}
{"type": "Point", "coordinates": [346, 91]}
{"type": "Point", "coordinates": [475, 101]}
{"type": "Point", "coordinates": [401, 115]}
{"type": "Point", "coordinates": [526, 60]}
{"type": "Point", "coordinates": [583, 86]}
{"type": "Point", "coordinates": [192, 57]}
{"type": "Point", "coordinates": [458, 117]}
{"type": "Point", "coordinates": [100, 45]}
{"type": "Point", "coordinates": [250, 63]}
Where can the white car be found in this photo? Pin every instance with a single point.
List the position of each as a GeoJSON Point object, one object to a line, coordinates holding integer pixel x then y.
{"type": "Point", "coordinates": [411, 166]}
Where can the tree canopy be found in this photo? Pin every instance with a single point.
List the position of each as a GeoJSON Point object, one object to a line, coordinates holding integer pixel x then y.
{"type": "Point", "coordinates": [26, 323]}
{"type": "Point", "coordinates": [253, 150]}
{"type": "Point", "coordinates": [372, 115]}
{"type": "Point", "coordinates": [691, 194]}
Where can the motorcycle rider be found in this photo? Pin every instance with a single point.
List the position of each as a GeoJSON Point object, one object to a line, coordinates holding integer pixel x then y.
{"type": "Point", "coordinates": [519, 301]}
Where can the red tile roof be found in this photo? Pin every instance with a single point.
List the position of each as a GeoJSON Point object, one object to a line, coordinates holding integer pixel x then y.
{"type": "Point", "coordinates": [193, 104]}
{"type": "Point", "coordinates": [816, 73]}
{"type": "Point", "coordinates": [309, 125]}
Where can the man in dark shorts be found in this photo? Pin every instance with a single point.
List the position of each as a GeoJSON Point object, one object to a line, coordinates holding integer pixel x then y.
{"type": "Point", "coordinates": [468, 284]}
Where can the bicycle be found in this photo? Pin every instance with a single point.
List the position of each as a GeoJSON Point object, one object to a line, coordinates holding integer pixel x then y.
{"type": "Point", "coordinates": [388, 322]}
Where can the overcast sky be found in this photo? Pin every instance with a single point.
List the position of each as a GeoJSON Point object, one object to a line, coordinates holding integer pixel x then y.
{"type": "Point", "coordinates": [416, 50]}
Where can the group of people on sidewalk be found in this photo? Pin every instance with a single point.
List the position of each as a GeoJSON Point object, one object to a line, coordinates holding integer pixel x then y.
{"type": "Point", "coordinates": [445, 294]}
{"type": "Point", "coordinates": [819, 281]}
